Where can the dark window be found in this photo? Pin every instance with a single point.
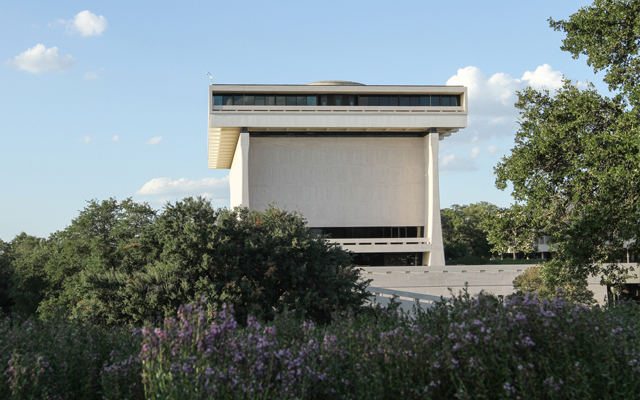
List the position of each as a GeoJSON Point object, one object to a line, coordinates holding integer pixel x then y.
{"type": "Point", "coordinates": [388, 259]}
{"type": "Point", "coordinates": [351, 100]}
{"type": "Point", "coordinates": [337, 100]}
{"type": "Point", "coordinates": [369, 232]}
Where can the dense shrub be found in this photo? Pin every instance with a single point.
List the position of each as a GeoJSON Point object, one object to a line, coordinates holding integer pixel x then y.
{"type": "Point", "coordinates": [470, 348]}
{"type": "Point", "coordinates": [122, 262]}
{"type": "Point", "coordinates": [261, 262]}
{"type": "Point", "coordinates": [67, 359]}
{"type": "Point", "coordinates": [473, 348]}
{"type": "Point", "coordinates": [539, 279]}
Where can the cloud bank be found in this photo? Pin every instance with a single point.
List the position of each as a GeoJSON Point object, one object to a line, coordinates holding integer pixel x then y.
{"type": "Point", "coordinates": [40, 59]}
{"type": "Point", "coordinates": [492, 98]}
{"type": "Point", "coordinates": [492, 114]}
{"type": "Point", "coordinates": [207, 187]}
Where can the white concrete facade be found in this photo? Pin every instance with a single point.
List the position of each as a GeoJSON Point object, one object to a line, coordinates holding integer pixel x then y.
{"type": "Point", "coordinates": [341, 166]}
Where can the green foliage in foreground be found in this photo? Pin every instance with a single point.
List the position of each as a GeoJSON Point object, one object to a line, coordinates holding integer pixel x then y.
{"type": "Point", "coordinates": [66, 358]}
{"type": "Point", "coordinates": [541, 280]}
{"type": "Point", "coordinates": [469, 348]}
{"type": "Point", "coordinates": [122, 262]}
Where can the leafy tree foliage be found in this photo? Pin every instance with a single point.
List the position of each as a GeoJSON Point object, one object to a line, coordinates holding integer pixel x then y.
{"type": "Point", "coordinates": [542, 280]}
{"type": "Point", "coordinates": [121, 262]}
{"type": "Point", "coordinates": [97, 241]}
{"type": "Point", "coordinates": [508, 232]}
{"type": "Point", "coordinates": [28, 283]}
{"type": "Point", "coordinates": [464, 234]}
{"type": "Point", "coordinates": [574, 168]}
{"type": "Point", "coordinates": [607, 34]}
{"type": "Point", "coordinates": [6, 275]}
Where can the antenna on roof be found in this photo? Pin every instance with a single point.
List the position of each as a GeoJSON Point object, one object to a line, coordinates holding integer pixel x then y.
{"type": "Point", "coordinates": [210, 78]}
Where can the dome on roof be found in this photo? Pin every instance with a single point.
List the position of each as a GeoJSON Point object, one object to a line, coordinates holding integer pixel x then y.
{"type": "Point", "coordinates": [335, 83]}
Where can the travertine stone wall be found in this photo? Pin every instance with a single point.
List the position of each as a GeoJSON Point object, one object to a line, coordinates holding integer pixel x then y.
{"type": "Point", "coordinates": [342, 181]}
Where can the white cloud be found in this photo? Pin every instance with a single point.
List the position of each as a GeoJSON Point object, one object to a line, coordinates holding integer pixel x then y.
{"type": "Point", "coordinates": [493, 150]}
{"type": "Point", "coordinates": [87, 23]}
{"type": "Point", "coordinates": [38, 59]}
{"type": "Point", "coordinates": [154, 140]}
{"type": "Point", "coordinates": [492, 113]}
{"type": "Point", "coordinates": [453, 163]}
{"type": "Point", "coordinates": [85, 139]}
{"type": "Point", "coordinates": [474, 152]}
{"type": "Point", "coordinates": [207, 187]}
{"type": "Point", "coordinates": [544, 77]}
{"type": "Point", "coordinates": [115, 138]}
{"type": "Point", "coordinates": [90, 76]}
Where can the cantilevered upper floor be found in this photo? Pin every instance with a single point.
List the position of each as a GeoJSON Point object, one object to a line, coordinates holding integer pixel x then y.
{"type": "Point", "coordinates": [329, 107]}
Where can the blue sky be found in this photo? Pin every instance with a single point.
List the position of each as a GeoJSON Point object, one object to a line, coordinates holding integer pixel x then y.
{"type": "Point", "coordinates": [109, 99]}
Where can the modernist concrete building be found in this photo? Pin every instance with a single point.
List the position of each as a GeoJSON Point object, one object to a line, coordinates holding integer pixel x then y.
{"type": "Point", "coordinates": [360, 162]}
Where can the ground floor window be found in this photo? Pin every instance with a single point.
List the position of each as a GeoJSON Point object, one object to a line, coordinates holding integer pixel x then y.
{"type": "Point", "coordinates": [388, 259]}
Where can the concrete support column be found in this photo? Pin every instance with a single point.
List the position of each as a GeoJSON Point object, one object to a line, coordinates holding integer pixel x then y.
{"type": "Point", "coordinates": [239, 173]}
{"type": "Point", "coordinates": [432, 201]}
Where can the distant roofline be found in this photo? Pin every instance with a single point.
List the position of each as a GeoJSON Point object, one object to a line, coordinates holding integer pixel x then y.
{"type": "Point", "coordinates": [320, 84]}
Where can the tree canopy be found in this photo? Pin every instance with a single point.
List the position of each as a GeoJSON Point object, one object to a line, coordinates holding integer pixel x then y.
{"type": "Point", "coordinates": [464, 233]}
{"type": "Point", "coordinates": [123, 262]}
{"type": "Point", "coordinates": [575, 166]}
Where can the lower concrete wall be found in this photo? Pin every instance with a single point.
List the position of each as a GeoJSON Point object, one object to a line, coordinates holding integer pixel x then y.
{"type": "Point", "coordinates": [436, 281]}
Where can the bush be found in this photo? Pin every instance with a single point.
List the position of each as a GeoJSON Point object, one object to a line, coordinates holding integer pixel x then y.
{"type": "Point", "coordinates": [261, 262]}
{"type": "Point", "coordinates": [468, 348]}
{"type": "Point", "coordinates": [535, 279]}
{"type": "Point", "coordinates": [65, 359]}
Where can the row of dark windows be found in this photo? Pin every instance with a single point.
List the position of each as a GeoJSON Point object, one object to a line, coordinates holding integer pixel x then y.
{"type": "Point", "coordinates": [338, 134]}
{"type": "Point", "coordinates": [336, 100]}
{"type": "Point", "coordinates": [368, 232]}
{"type": "Point", "coordinates": [388, 259]}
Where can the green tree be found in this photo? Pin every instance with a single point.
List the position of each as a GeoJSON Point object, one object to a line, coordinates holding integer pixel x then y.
{"type": "Point", "coordinates": [607, 34]}
{"type": "Point", "coordinates": [542, 280]}
{"type": "Point", "coordinates": [28, 283]}
{"type": "Point", "coordinates": [6, 277]}
{"type": "Point", "coordinates": [508, 231]}
{"type": "Point", "coordinates": [261, 262]}
{"type": "Point", "coordinates": [178, 249]}
{"type": "Point", "coordinates": [464, 233]}
{"type": "Point", "coordinates": [103, 238]}
{"type": "Point", "coordinates": [574, 168]}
